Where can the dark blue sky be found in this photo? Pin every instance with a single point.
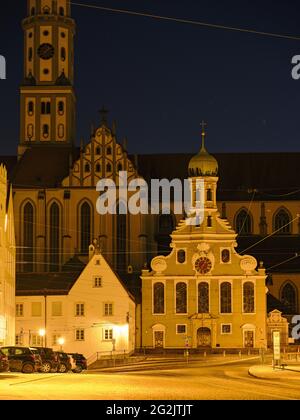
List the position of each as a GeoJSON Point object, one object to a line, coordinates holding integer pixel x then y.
{"type": "Point", "coordinates": [160, 79]}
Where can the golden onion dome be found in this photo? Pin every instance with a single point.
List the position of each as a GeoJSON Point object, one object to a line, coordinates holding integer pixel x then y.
{"type": "Point", "coordinates": [203, 164]}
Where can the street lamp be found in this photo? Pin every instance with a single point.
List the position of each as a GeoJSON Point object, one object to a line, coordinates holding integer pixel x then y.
{"type": "Point", "coordinates": [61, 342]}
{"type": "Point", "coordinates": [42, 334]}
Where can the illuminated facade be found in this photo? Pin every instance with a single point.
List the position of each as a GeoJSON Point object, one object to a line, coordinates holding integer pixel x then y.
{"type": "Point", "coordinates": [7, 262]}
{"type": "Point", "coordinates": [204, 294]}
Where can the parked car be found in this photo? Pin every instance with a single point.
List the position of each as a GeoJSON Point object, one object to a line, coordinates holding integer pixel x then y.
{"type": "Point", "coordinates": [22, 359]}
{"type": "Point", "coordinates": [4, 365]}
{"type": "Point", "coordinates": [80, 362]}
{"type": "Point", "coordinates": [49, 359]}
{"type": "Point", "coordinates": [64, 362]}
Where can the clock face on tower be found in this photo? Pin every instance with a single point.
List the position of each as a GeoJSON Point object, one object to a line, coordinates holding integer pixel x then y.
{"type": "Point", "coordinates": [46, 51]}
{"type": "Point", "coordinates": [203, 265]}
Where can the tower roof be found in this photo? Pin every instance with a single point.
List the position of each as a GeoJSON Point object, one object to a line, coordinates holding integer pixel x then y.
{"type": "Point", "coordinates": [203, 164]}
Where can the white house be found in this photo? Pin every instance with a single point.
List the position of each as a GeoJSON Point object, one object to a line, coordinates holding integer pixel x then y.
{"type": "Point", "coordinates": [88, 313]}
{"type": "Point", "coordinates": [7, 262]}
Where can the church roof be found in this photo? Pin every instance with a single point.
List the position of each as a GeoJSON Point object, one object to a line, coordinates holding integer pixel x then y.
{"type": "Point", "coordinates": [40, 284]}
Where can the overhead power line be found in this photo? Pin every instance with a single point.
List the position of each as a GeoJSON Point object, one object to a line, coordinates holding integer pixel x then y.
{"type": "Point", "coordinates": [186, 21]}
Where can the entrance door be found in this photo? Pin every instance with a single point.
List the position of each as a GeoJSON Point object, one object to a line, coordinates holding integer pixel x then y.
{"type": "Point", "coordinates": [249, 339]}
{"type": "Point", "coordinates": [158, 339]}
{"type": "Point", "coordinates": [203, 337]}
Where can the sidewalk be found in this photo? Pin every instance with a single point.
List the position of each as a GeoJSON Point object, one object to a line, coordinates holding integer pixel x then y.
{"type": "Point", "coordinates": [267, 372]}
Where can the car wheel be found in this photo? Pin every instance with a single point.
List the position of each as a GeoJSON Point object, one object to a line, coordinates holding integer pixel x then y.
{"type": "Point", "coordinates": [28, 368]}
{"type": "Point", "coordinates": [62, 368]}
{"type": "Point", "coordinates": [46, 367]}
{"type": "Point", "coordinates": [78, 369]}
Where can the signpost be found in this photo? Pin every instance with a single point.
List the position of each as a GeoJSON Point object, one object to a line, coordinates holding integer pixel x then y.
{"type": "Point", "coordinates": [276, 348]}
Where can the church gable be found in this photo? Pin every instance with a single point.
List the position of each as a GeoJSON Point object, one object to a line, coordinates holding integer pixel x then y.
{"type": "Point", "coordinates": [101, 158]}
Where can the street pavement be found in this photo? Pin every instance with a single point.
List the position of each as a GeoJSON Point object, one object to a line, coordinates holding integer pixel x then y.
{"type": "Point", "coordinates": [168, 380]}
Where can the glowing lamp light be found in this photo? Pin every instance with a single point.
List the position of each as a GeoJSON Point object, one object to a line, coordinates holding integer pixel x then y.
{"type": "Point", "coordinates": [61, 341]}
{"type": "Point", "coordinates": [42, 333]}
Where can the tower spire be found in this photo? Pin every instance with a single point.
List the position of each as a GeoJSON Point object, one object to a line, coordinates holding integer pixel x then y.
{"type": "Point", "coordinates": [203, 134]}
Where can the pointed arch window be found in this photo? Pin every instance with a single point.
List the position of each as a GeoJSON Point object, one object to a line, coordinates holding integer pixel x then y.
{"type": "Point", "coordinates": [54, 237]}
{"type": "Point", "coordinates": [203, 298]}
{"type": "Point", "coordinates": [248, 298]}
{"type": "Point", "coordinates": [85, 227]}
{"type": "Point", "coordinates": [158, 298]}
{"type": "Point", "coordinates": [108, 151]}
{"type": "Point", "coordinates": [108, 168]}
{"type": "Point", "coordinates": [120, 167]}
{"type": "Point", "coordinates": [87, 168]}
{"type": "Point", "coordinates": [243, 223]}
{"type": "Point", "coordinates": [282, 222]}
{"type": "Point", "coordinates": [28, 226]}
{"type": "Point", "coordinates": [121, 237]}
{"type": "Point", "coordinates": [225, 297]}
{"type": "Point", "coordinates": [181, 298]}
{"type": "Point", "coordinates": [98, 150]}
{"type": "Point", "coordinates": [98, 168]}
{"type": "Point", "coordinates": [288, 297]}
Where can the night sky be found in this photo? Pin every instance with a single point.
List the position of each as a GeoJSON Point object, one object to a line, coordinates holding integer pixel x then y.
{"type": "Point", "coordinates": [160, 79]}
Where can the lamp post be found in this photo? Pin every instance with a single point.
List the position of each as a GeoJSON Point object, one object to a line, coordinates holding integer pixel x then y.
{"type": "Point", "coordinates": [61, 342]}
{"type": "Point", "coordinates": [42, 334]}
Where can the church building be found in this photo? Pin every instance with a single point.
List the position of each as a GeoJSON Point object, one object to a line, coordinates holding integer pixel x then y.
{"type": "Point", "coordinates": [204, 294]}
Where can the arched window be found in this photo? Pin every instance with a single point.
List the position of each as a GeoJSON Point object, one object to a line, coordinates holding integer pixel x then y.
{"type": "Point", "coordinates": [121, 237]}
{"type": "Point", "coordinates": [108, 167]}
{"type": "Point", "coordinates": [248, 298]}
{"type": "Point", "coordinates": [181, 256]}
{"type": "Point", "coordinates": [181, 298]}
{"type": "Point", "coordinates": [30, 54]}
{"type": "Point", "coordinates": [209, 221]}
{"type": "Point", "coordinates": [120, 167]}
{"type": "Point", "coordinates": [61, 107]}
{"type": "Point", "coordinates": [85, 227]}
{"type": "Point", "coordinates": [54, 237]}
{"type": "Point", "coordinates": [203, 298]}
{"type": "Point", "coordinates": [98, 168]}
{"type": "Point", "coordinates": [30, 108]}
{"type": "Point", "coordinates": [30, 131]}
{"type": "Point", "coordinates": [243, 223]}
{"type": "Point", "coordinates": [225, 255]}
{"type": "Point", "coordinates": [63, 54]}
{"type": "Point", "coordinates": [28, 226]}
{"type": "Point", "coordinates": [282, 223]}
{"type": "Point", "coordinates": [61, 11]}
{"type": "Point", "coordinates": [98, 150]}
{"type": "Point", "coordinates": [32, 12]}
{"type": "Point", "coordinates": [209, 196]}
{"type": "Point", "coordinates": [46, 10]}
{"type": "Point", "coordinates": [108, 151]}
{"type": "Point", "coordinates": [158, 298]}
{"type": "Point", "coordinates": [87, 168]}
{"type": "Point", "coordinates": [225, 291]}
{"type": "Point", "coordinates": [46, 130]}
{"type": "Point", "coordinates": [288, 297]}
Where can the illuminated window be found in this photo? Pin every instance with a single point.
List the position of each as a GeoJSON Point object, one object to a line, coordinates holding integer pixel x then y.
{"type": "Point", "coordinates": [248, 298]}
{"type": "Point", "coordinates": [181, 298]}
{"type": "Point", "coordinates": [158, 298]}
{"type": "Point", "coordinates": [225, 291]}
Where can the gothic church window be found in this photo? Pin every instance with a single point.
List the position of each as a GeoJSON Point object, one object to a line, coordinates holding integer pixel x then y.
{"type": "Point", "coordinates": [181, 298]}
{"type": "Point", "coordinates": [98, 168]}
{"type": "Point", "coordinates": [243, 223]}
{"type": "Point", "coordinates": [203, 298]}
{"type": "Point", "coordinates": [54, 237]}
{"type": "Point", "coordinates": [282, 223]}
{"type": "Point", "coordinates": [226, 304]}
{"type": "Point", "coordinates": [61, 11]}
{"type": "Point", "coordinates": [28, 226]}
{"type": "Point", "coordinates": [288, 297]}
{"type": "Point", "coordinates": [87, 168]}
{"type": "Point", "coordinates": [158, 298]}
{"type": "Point", "coordinates": [121, 237]}
{"type": "Point", "coordinates": [85, 227]}
{"type": "Point", "coordinates": [248, 298]}
{"type": "Point", "coordinates": [108, 167]}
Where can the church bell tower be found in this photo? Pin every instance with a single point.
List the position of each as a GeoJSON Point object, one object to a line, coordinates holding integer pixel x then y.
{"type": "Point", "coordinates": [48, 102]}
